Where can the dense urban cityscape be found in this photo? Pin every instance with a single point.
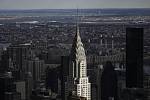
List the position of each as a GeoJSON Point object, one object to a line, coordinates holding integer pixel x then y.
{"type": "Point", "coordinates": [75, 54]}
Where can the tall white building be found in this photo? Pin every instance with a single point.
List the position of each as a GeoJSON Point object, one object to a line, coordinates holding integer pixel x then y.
{"type": "Point", "coordinates": [78, 82]}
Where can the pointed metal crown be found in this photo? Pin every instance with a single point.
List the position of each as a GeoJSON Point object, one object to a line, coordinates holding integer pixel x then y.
{"type": "Point", "coordinates": [77, 52]}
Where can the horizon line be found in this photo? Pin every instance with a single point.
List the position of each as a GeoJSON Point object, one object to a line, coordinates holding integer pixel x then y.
{"type": "Point", "coordinates": [68, 8]}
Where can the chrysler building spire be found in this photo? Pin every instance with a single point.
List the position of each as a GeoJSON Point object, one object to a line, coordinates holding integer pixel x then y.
{"type": "Point", "coordinates": [78, 82]}
{"type": "Point", "coordinates": [77, 52]}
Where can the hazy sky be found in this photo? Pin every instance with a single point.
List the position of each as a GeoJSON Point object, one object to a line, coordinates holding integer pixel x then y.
{"type": "Point", "coordinates": [48, 4]}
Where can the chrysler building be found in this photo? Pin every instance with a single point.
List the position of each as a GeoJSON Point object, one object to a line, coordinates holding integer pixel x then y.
{"type": "Point", "coordinates": [78, 82]}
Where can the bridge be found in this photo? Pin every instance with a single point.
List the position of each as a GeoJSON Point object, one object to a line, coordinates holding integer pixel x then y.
{"type": "Point", "coordinates": [102, 59]}
{"type": "Point", "coordinates": [120, 57]}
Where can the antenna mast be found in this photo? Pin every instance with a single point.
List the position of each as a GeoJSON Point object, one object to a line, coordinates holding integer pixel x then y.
{"type": "Point", "coordinates": [77, 24]}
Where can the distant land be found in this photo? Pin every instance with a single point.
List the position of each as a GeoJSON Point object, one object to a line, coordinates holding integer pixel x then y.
{"type": "Point", "coordinates": [82, 12]}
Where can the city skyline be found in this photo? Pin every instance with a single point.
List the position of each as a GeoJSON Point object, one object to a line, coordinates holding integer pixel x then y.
{"type": "Point", "coordinates": [71, 4]}
{"type": "Point", "coordinates": [75, 54]}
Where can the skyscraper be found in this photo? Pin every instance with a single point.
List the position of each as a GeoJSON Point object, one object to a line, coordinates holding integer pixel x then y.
{"type": "Point", "coordinates": [63, 75]}
{"type": "Point", "coordinates": [78, 82]}
{"type": "Point", "coordinates": [36, 67]}
{"type": "Point", "coordinates": [134, 57]}
{"type": "Point", "coordinates": [8, 88]}
{"type": "Point", "coordinates": [109, 83]}
{"type": "Point", "coordinates": [19, 54]}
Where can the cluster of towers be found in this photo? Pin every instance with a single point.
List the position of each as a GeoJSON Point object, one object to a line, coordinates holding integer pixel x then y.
{"type": "Point", "coordinates": [78, 82]}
